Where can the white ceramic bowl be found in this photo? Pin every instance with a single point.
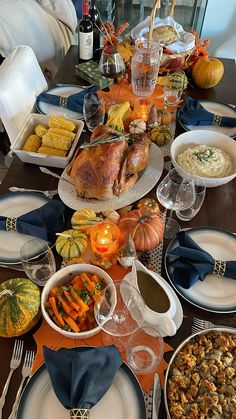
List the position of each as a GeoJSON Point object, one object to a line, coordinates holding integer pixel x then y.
{"type": "Point", "coordinates": [209, 138]}
{"type": "Point", "coordinates": [62, 277]}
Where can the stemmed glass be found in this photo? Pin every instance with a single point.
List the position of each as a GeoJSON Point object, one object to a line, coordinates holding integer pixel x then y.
{"type": "Point", "coordinates": [176, 193]}
{"type": "Point", "coordinates": [119, 311]}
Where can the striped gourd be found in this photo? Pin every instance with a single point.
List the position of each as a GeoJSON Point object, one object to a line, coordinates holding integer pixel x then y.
{"type": "Point", "coordinates": [71, 243]}
{"type": "Point", "coordinates": [83, 219]}
{"type": "Point", "coordinates": [179, 80]}
{"type": "Point", "coordinates": [19, 306]}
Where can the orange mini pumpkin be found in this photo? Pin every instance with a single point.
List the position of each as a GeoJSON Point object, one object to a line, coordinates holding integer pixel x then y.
{"type": "Point", "coordinates": [146, 229]}
{"type": "Point", "coordinates": [207, 72]}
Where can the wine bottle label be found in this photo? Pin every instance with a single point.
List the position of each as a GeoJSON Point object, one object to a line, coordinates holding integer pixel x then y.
{"type": "Point", "coordinates": [86, 45]}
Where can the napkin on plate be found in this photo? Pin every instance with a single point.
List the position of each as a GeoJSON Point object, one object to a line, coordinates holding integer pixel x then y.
{"type": "Point", "coordinates": [73, 102]}
{"type": "Point", "coordinates": [194, 263]}
{"type": "Point", "coordinates": [193, 113]}
{"type": "Point", "coordinates": [81, 376]}
{"type": "Point", "coordinates": [42, 222]}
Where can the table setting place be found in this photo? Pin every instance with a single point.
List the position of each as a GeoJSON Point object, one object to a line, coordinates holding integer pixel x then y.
{"type": "Point", "coordinates": [117, 295]}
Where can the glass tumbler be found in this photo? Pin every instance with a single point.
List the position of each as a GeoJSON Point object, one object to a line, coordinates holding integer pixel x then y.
{"type": "Point", "coordinates": [145, 66]}
{"type": "Point", "coordinates": [189, 213]}
{"type": "Point", "coordinates": [93, 111]}
{"type": "Point", "coordinates": [38, 261]}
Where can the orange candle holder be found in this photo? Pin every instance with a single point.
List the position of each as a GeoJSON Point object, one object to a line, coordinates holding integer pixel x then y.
{"type": "Point", "coordinates": [104, 237]}
{"type": "Point", "coordinates": [142, 108]}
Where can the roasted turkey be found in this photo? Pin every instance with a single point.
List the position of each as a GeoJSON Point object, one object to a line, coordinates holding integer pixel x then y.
{"type": "Point", "coordinates": [109, 169]}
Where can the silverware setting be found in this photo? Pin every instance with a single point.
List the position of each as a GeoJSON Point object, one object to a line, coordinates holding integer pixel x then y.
{"type": "Point", "coordinates": [48, 194]}
{"type": "Point", "coordinates": [26, 370]}
{"type": "Point", "coordinates": [200, 324]}
{"type": "Point", "coordinates": [14, 364]}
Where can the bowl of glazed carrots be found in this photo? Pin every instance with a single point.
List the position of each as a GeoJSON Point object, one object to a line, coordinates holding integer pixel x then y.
{"type": "Point", "coordinates": [68, 298]}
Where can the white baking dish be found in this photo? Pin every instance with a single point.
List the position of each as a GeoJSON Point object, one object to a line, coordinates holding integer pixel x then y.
{"type": "Point", "coordinates": [38, 158]}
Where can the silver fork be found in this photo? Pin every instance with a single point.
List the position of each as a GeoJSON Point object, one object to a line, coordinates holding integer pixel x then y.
{"type": "Point", "coordinates": [48, 194]}
{"type": "Point", "coordinates": [26, 370]}
{"type": "Point", "coordinates": [200, 324]}
{"type": "Point", "coordinates": [15, 362]}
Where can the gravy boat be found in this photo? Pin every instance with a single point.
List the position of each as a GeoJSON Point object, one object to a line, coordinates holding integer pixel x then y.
{"type": "Point", "coordinates": [163, 320]}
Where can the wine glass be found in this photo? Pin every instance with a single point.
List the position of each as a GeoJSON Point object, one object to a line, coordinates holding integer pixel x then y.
{"type": "Point", "coordinates": [119, 311]}
{"type": "Point", "coordinates": [175, 193]}
{"type": "Point", "coordinates": [38, 261]}
{"type": "Point", "coordinates": [93, 110]}
{"type": "Point", "coordinates": [111, 63]}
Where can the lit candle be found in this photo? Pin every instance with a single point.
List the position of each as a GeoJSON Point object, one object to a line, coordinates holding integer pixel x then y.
{"type": "Point", "coordinates": [105, 238]}
{"type": "Point", "coordinates": [142, 109]}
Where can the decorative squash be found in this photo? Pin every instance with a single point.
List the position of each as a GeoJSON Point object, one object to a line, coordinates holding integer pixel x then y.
{"type": "Point", "coordinates": [19, 306]}
{"type": "Point", "coordinates": [146, 229]}
{"type": "Point", "coordinates": [161, 135]}
{"type": "Point", "coordinates": [71, 243]}
{"type": "Point", "coordinates": [83, 219]}
{"type": "Point", "coordinates": [207, 72]}
{"type": "Point", "coordinates": [112, 215]}
{"type": "Point", "coordinates": [178, 80]}
{"type": "Point", "coordinates": [138, 126]}
{"type": "Point", "coordinates": [148, 204]}
{"type": "Point", "coordinates": [165, 116]}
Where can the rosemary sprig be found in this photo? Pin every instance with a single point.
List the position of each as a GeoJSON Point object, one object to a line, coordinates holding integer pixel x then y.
{"type": "Point", "coordinates": [106, 140]}
{"type": "Point", "coordinates": [204, 155]}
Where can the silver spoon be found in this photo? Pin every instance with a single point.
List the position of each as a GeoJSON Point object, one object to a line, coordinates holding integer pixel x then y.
{"type": "Point", "coordinates": [48, 172]}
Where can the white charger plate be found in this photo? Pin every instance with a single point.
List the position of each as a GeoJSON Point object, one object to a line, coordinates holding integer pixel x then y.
{"type": "Point", "coordinates": [216, 108]}
{"type": "Point", "coordinates": [215, 294]}
{"type": "Point", "coordinates": [147, 180]}
{"type": "Point", "coordinates": [13, 205]}
{"type": "Point", "coordinates": [124, 399]}
{"type": "Point", "coordinates": [48, 109]}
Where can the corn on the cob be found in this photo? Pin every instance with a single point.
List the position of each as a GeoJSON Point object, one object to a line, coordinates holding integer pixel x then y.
{"type": "Point", "coordinates": [40, 130]}
{"type": "Point", "coordinates": [63, 132]}
{"type": "Point", "coordinates": [60, 122]}
{"type": "Point", "coordinates": [56, 141]}
{"type": "Point", "coordinates": [52, 151]}
{"type": "Point", "coordinates": [32, 143]}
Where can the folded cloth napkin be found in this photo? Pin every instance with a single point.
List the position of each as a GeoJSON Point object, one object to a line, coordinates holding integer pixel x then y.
{"type": "Point", "coordinates": [193, 113]}
{"type": "Point", "coordinates": [81, 376]}
{"type": "Point", "coordinates": [42, 222]}
{"type": "Point", "coordinates": [194, 263]}
{"type": "Point", "coordinates": [73, 102]}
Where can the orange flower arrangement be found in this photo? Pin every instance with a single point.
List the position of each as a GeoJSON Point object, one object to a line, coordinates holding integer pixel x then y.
{"type": "Point", "coordinates": [200, 51]}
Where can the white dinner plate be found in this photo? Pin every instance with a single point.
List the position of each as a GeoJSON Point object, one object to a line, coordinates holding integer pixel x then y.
{"type": "Point", "coordinates": [147, 180]}
{"type": "Point", "coordinates": [178, 316]}
{"type": "Point", "coordinates": [216, 108]}
{"type": "Point", "coordinates": [13, 205]}
{"type": "Point", "coordinates": [216, 294]}
{"type": "Point", "coordinates": [124, 399]}
{"type": "Point", "coordinates": [48, 109]}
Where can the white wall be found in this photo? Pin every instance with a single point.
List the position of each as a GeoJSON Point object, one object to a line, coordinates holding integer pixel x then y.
{"type": "Point", "coordinates": [219, 22]}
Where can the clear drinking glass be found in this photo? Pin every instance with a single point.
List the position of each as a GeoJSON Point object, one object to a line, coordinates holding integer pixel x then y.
{"type": "Point", "coordinates": [144, 349]}
{"type": "Point", "coordinates": [119, 311]}
{"type": "Point", "coordinates": [93, 110]}
{"type": "Point", "coordinates": [172, 95]}
{"type": "Point", "coordinates": [145, 66]}
{"type": "Point", "coordinates": [176, 193]}
{"type": "Point", "coordinates": [189, 213]}
{"type": "Point", "coordinates": [38, 261]}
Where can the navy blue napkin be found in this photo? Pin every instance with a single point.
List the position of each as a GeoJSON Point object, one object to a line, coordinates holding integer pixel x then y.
{"type": "Point", "coordinates": [193, 113]}
{"type": "Point", "coordinates": [81, 376]}
{"type": "Point", "coordinates": [73, 102]}
{"type": "Point", "coordinates": [42, 222]}
{"type": "Point", "coordinates": [194, 263]}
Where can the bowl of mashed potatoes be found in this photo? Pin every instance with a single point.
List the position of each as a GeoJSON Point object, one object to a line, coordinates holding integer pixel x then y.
{"type": "Point", "coordinates": [208, 155]}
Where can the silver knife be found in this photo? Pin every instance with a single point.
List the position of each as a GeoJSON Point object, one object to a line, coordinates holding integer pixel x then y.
{"type": "Point", "coordinates": [156, 398]}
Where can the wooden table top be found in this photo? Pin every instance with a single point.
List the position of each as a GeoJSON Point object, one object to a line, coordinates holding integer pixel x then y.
{"type": "Point", "coordinates": [217, 211]}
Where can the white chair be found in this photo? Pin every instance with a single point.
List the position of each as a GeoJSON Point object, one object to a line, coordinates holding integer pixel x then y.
{"type": "Point", "coordinates": [21, 81]}
{"type": "Point", "coordinates": [227, 49]}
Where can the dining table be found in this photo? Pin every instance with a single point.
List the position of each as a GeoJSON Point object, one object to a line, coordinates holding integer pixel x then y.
{"type": "Point", "coordinates": [218, 210]}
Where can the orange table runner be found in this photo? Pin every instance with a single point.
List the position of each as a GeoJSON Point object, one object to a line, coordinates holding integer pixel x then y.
{"type": "Point", "coordinates": [45, 335]}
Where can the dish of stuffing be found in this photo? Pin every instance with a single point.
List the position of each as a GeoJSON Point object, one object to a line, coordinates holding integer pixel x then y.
{"type": "Point", "coordinates": [200, 380]}
{"type": "Point", "coordinates": [111, 174]}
